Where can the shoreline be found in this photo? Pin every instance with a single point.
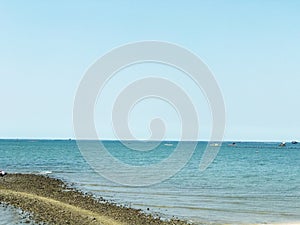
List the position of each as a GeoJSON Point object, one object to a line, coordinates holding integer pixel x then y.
{"type": "Point", "coordinates": [47, 200]}
{"type": "Point", "coordinates": [51, 201]}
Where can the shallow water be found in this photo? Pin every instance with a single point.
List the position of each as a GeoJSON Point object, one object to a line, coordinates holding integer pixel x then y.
{"type": "Point", "coordinates": [13, 216]}
{"type": "Point", "coordinates": [248, 183]}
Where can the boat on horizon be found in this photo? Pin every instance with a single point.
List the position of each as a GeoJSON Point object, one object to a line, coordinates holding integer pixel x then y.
{"type": "Point", "coordinates": [282, 144]}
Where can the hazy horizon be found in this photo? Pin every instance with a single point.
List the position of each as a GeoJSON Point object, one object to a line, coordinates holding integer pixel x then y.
{"type": "Point", "coordinates": [144, 140]}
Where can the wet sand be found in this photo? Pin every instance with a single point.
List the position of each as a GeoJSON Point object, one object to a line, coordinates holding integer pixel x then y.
{"type": "Point", "coordinates": [49, 200]}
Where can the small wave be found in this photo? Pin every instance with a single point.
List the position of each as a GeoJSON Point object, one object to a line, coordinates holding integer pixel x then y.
{"type": "Point", "coordinates": [168, 144]}
{"type": "Point", "coordinates": [45, 172]}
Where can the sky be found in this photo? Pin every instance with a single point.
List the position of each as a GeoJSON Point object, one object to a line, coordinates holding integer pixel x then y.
{"type": "Point", "coordinates": [252, 48]}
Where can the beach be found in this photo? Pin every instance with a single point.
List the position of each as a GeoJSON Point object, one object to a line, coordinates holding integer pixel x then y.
{"type": "Point", "coordinates": [51, 201]}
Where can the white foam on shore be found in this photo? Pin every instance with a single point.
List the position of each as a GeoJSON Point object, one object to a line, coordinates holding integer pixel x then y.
{"type": "Point", "coordinates": [45, 172]}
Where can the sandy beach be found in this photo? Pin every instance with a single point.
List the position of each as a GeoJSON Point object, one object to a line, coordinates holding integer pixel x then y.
{"type": "Point", "coordinates": [49, 200]}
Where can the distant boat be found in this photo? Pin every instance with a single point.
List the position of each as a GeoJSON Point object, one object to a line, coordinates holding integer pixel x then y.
{"type": "Point", "coordinates": [215, 145]}
{"type": "Point", "coordinates": [282, 144]}
{"type": "Point", "coordinates": [294, 142]}
{"type": "Point", "coordinates": [232, 144]}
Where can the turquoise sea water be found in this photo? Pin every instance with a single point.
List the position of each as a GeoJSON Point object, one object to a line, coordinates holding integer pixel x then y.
{"type": "Point", "coordinates": [253, 182]}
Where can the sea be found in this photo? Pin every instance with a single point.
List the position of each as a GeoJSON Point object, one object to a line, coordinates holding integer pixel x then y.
{"type": "Point", "coordinates": [247, 183]}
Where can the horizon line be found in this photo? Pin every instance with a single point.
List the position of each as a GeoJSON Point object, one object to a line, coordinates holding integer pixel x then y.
{"type": "Point", "coordinates": [142, 140]}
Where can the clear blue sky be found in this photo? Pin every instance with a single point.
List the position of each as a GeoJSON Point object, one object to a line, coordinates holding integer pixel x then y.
{"type": "Point", "coordinates": [253, 48]}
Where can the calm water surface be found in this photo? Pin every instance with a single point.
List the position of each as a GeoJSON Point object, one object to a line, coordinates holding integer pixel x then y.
{"type": "Point", "coordinates": [249, 183]}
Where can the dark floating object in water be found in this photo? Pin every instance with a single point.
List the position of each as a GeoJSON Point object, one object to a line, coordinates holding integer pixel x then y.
{"type": "Point", "coordinates": [233, 144]}
{"type": "Point", "coordinates": [282, 144]}
{"type": "Point", "coordinates": [294, 142]}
